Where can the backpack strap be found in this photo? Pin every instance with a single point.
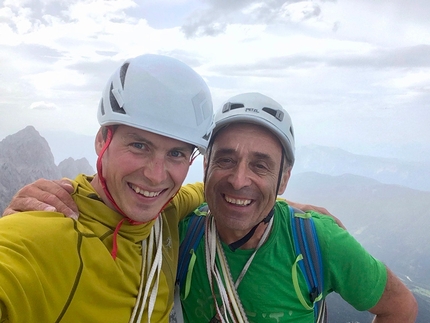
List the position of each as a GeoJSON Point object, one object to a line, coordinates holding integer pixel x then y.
{"type": "Point", "coordinates": [308, 258]}
{"type": "Point", "coordinates": [195, 230]}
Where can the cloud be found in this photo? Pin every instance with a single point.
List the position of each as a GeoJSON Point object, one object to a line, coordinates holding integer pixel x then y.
{"type": "Point", "coordinates": [333, 64]}
{"type": "Point", "coordinates": [417, 56]}
{"type": "Point", "coordinates": [300, 11]}
{"type": "Point", "coordinates": [41, 55]}
{"type": "Point", "coordinates": [214, 20]}
{"type": "Point", "coordinates": [42, 105]}
{"type": "Point", "coordinates": [412, 57]}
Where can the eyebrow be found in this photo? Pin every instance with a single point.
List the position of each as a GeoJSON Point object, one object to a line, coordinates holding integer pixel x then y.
{"type": "Point", "coordinates": [231, 151]}
{"type": "Point", "coordinates": [137, 137]}
{"type": "Point", "coordinates": [263, 156]}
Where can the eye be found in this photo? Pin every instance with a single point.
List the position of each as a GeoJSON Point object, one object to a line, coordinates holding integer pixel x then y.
{"type": "Point", "coordinates": [176, 154]}
{"type": "Point", "coordinates": [225, 162]}
{"type": "Point", "coordinates": [138, 145]}
{"type": "Point", "coordinates": [260, 167]}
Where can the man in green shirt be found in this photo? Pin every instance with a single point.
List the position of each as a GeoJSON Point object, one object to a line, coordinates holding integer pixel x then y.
{"type": "Point", "coordinates": [244, 267]}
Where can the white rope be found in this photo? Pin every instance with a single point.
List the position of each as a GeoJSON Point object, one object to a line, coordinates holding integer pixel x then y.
{"type": "Point", "coordinates": [236, 304]}
{"type": "Point", "coordinates": [152, 273]}
{"type": "Point", "coordinates": [231, 305]}
{"type": "Point", "coordinates": [212, 270]}
{"type": "Point", "coordinates": [155, 270]}
{"type": "Point", "coordinates": [260, 243]}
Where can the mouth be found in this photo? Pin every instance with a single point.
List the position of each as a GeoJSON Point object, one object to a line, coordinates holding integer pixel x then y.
{"type": "Point", "coordinates": [236, 201]}
{"type": "Point", "coordinates": [143, 192]}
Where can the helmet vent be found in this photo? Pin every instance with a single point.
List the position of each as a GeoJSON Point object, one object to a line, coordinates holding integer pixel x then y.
{"type": "Point", "coordinates": [102, 107]}
{"type": "Point", "coordinates": [236, 106]}
{"type": "Point", "coordinates": [123, 72]}
{"type": "Point", "coordinates": [278, 114]}
{"type": "Point", "coordinates": [114, 103]}
{"type": "Point", "coordinates": [231, 106]}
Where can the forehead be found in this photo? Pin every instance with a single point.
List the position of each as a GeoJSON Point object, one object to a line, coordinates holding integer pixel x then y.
{"type": "Point", "coordinates": [127, 132]}
{"type": "Point", "coordinates": [252, 137]}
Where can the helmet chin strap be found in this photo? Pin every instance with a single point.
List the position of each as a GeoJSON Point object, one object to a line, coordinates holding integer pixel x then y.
{"type": "Point", "coordinates": [108, 194]}
{"type": "Point", "coordinates": [239, 243]}
{"type": "Point", "coordinates": [108, 140]}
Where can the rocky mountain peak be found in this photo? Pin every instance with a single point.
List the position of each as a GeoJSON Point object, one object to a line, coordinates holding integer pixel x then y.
{"type": "Point", "coordinates": [25, 157]}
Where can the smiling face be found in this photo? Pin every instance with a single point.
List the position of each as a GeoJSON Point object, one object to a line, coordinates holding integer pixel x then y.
{"type": "Point", "coordinates": [242, 176]}
{"type": "Point", "coordinates": [143, 170]}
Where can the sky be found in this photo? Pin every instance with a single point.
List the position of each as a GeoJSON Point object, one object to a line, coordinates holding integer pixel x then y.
{"type": "Point", "coordinates": [353, 74]}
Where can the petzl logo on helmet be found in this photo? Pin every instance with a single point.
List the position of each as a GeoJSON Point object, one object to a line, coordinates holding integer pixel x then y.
{"type": "Point", "coordinates": [252, 110]}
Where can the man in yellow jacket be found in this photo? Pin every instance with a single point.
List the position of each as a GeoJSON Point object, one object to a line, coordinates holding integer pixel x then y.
{"type": "Point", "coordinates": [117, 262]}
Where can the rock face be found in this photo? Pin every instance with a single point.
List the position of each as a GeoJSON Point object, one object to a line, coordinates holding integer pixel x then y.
{"type": "Point", "coordinates": [70, 167]}
{"type": "Point", "coordinates": [25, 157]}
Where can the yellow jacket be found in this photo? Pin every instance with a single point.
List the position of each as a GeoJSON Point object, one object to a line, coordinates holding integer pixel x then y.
{"type": "Point", "coordinates": [55, 269]}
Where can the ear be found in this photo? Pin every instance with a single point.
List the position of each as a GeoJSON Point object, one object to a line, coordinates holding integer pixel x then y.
{"type": "Point", "coordinates": [205, 162]}
{"type": "Point", "coordinates": [205, 165]}
{"type": "Point", "coordinates": [99, 142]}
{"type": "Point", "coordinates": [284, 180]}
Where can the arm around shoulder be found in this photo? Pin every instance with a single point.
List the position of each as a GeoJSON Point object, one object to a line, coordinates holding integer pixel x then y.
{"type": "Point", "coordinates": [188, 198]}
{"type": "Point", "coordinates": [397, 304]}
{"type": "Point", "coordinates": [44, 195]}
{"type": "Point", "coordinates": [319, 209]}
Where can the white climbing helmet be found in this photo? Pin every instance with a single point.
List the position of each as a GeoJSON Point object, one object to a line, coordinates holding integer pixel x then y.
{"type": "Point", "coordinates": [162, 95]}
{"type": "Point", "coordinates": [258, 109]}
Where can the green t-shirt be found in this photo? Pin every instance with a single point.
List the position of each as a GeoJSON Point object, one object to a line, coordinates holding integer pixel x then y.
{"type": "Point", "coordinates": [267, 291]}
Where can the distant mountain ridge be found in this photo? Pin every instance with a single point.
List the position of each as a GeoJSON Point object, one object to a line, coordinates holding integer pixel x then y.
{"type": "Point", "coordinates": [381, 216]}
{"type": "Point", "coordinates": [390, 221]}
{"type": "Point", "coordinates": [310, 158]}
{"type": "Point", "coordinates": [25, 157]}
{"type": "Point", "coordinates": [336, 161]}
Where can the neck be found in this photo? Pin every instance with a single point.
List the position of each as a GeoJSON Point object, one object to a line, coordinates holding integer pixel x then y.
{"type": "Point", "coordinates": [97, 185]}
{"type": "Point", "coordinates": [228, 236]}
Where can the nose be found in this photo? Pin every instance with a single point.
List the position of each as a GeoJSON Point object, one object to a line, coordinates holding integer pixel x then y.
{"type": "Point", "coordinates": [239, 176]}
{"type": "Point", "coordinates": [155, 170]}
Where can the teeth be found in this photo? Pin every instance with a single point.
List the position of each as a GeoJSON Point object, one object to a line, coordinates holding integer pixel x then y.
{"type": "Point", "coordinates": [237, 201]}
{"type": "Point", "coordinates": [144, 193]}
